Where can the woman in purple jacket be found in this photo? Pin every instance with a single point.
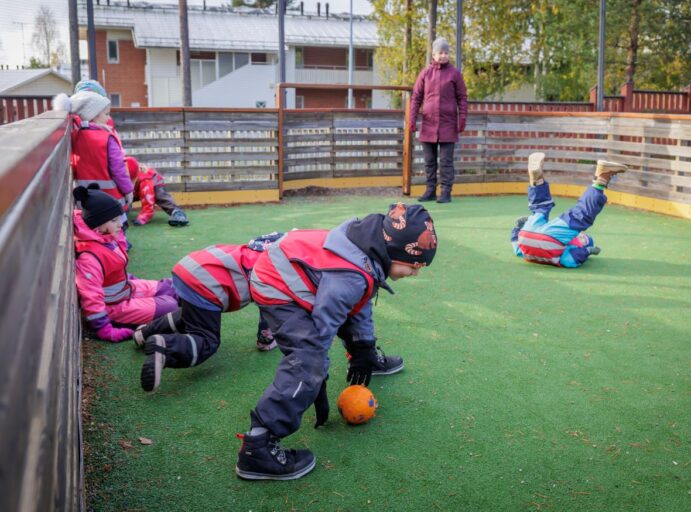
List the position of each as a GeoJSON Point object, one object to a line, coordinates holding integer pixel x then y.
{"type": "Point", "coordinates": [440, 90]}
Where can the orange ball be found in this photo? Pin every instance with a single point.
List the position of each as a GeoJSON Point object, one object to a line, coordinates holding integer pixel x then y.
{"type": "Point", "coordinates": [357, 404]}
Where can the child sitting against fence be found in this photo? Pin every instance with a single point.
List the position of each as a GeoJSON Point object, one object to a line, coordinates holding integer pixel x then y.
{"type": "Point", "coordinates": [97, 154]}
{"type": "Point", "coordinates": [150, 189]}
{"type": "Point", "coordinates": [111, 299]}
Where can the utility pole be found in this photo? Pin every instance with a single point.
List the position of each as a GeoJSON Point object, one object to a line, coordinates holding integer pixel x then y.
{"type": "Point", "coordinates": [601, 59]}
{"type": "Point", "coordinates": [91, 36]}
{"type": "Point", "coordinates": [350, 58]}
{"type": "Point", "coordinates": [459, 35]}
{"type": "Point", "coordinates": [74, 42]}
{"type": "Point", "coordinates": [185, 55]}
{"type": "Point", "coordinates": [282, 47]}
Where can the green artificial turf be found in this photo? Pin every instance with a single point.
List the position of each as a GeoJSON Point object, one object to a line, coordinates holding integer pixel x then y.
{"type": "Point", "coordinates": [526, 387]}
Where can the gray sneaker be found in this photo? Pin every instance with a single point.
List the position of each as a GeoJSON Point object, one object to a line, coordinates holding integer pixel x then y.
{"type": "Point", "coordinates": [387, 365]}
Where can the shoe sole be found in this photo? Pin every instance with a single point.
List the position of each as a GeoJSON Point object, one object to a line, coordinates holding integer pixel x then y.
{"type": "Point", "coordinates": [535, 166]}
{"type": "Point", "coordinates": [390, 371]}
{"type": "Point", "coordinates": [248, 475]}
{"type": "Point", "coordinates": [152, 368]}
{"type": "Point", "coordinates": [266, 347]}
{"type": "Point", "coordinates": [138, 337]}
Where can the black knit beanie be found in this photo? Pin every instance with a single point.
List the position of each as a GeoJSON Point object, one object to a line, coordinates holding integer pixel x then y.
{"type": "Point", "coordinates": [97, 207]}
{"type": "Point", "coordinates": [409, 234]}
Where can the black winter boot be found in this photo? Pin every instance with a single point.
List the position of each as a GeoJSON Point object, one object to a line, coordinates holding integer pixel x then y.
{"type": "Point", "coordinates": [262, 457]}
{"type": "Point", "coordinates": [445, 196]}
{"type": "Point", "coordinates": [429, 195]}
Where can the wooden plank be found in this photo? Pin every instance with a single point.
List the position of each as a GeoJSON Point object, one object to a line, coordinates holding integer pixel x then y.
{"type": "Point", "coordinates": [218, 156]}
{"type": "Point", "coordinates": [221, 171]}
{"type": "Point", "coordinates": [206, 187]}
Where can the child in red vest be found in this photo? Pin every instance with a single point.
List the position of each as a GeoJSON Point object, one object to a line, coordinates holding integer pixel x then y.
{"type": "Point", "coordinates": [311, 286]}
{"type": "Point", "coordinates": [209, 282]}
{"type": "Point", "coordinates": [149, 188]}
{"type": "Point", "coordinates": [97, 154]}
{"type": "Point", "coordinates": [108, 295]}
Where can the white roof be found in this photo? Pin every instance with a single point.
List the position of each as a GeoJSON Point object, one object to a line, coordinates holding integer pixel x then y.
{"type": "Point", "coordinates": [13, 78]}
{"type": "Point", "coordinates": [219, 28]}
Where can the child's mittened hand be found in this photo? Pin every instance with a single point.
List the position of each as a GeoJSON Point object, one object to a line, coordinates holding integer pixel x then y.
{"type": "Point", "coordinates": [110, 333]}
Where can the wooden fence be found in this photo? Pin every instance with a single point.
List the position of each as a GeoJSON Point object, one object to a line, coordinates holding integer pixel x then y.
{"type": "Point", "coordinates": [271, 149]}
{"type": "Point", "coordinates": [16, 108]}
{"type": "Point", "coordinates": [204, 149]}
{"type": "Point", "coordinates": [40, 454]}
{"type": "Point", "coordinates": [495, 147]}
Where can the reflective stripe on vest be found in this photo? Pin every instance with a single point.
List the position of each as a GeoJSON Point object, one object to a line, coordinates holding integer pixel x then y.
{"type": "Point", "coordinates": [279, 275]}
{"type": "Point", "coordinates": [236, 273]}
{"type": "Point", "coordinates": [116, 292]}
{"type": "Point", "coordinates": [540, 248]}
{"type": "Point", "coordinates": [207, 280]}
{"type": "Point", "coordinates": [266, 290]}
{"type": "Point", "coordinates": [287, 272]}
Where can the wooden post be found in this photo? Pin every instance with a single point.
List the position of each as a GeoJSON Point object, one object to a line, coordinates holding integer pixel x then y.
{"type": "Point", "coordinates": [627, 93]}
{"type": "Point", "coordinates": [408, 148]}
{"type": "Point", "coordinates": [280, 104]}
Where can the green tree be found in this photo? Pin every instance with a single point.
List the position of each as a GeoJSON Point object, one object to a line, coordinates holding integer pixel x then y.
{"type": "Point", "coordinates": [551, 44]}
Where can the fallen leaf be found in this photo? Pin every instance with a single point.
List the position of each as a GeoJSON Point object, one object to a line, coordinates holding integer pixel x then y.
{"type": "Point", "coordinates": [145, 440]}
{"type": "Point", "coordinates": [124, 444]}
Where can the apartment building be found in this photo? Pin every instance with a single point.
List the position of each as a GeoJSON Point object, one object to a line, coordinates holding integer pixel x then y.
{"type": "Point", "coordinates": [234, 56]}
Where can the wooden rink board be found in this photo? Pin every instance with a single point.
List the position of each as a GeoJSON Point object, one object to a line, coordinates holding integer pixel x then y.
{"type": "Point", "coordinates": [662, 206]}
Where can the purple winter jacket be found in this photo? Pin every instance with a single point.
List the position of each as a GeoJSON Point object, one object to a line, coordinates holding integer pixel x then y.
{"type": "Point", "coordinates": [440, 89]}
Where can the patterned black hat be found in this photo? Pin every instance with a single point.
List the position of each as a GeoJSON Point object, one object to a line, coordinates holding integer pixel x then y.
{"type": "Point", "coordinates": [409, 235]}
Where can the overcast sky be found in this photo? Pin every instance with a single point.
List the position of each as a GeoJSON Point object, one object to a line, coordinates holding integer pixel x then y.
{"type": "Point", "coordinates": [20, 14]}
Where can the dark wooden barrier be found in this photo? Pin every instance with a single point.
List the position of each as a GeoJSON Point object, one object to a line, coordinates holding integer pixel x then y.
{"type": "Point", "coordinates": [40, 454]}
{"type": "Point", "coordinates": [342, 143]}
{"type": "Point", "coordinates": [16, 108]}
{"type": "Point", "coordinates": [199, 149]}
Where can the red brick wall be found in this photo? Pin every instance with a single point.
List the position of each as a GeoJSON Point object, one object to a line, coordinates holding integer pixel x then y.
{"type": "Point", "coordinates": [125, 78]}
{"type": "Point", "coordinates": [327, 98]}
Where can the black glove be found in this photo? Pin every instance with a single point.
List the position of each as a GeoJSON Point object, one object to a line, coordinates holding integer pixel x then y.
{"type": "Point", "coordinates": [362, 361]}
{"type": "Point", "coordinates": [321, 405]}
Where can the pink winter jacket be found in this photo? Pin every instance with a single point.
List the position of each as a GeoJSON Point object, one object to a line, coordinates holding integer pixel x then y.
{"type": "Point", "coordinates": [89, 272]}
{"type": "Point", "coordinates": [440, 91]}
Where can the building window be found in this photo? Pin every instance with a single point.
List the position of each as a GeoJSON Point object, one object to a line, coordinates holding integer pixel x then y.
{"type": "Point", "coordinates": [225, 64]}
{"type": "Point", "coordinates": [113, 53]}
{"type": "Point", "coordinates": [299, 57]}
{"type": "Point", "coordinates": [241, 59]}
{"type": "Point", "coordinates": [114, 99]}
{"type": "Point", "coordinates": [261, 58]}
{"type": "Point", "coordinates": [203, 72]}
{"type": "Point", "coordinates": [299, 102]}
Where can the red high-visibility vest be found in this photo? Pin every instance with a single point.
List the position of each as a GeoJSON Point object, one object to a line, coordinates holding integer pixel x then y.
{"type": "Point", "coordinates": [278, 276]}
{"type": "Point", "coordinates": [540, 248]}
{"type": "Point", "coordinates": [220, 274]}
{"type": "Point", "coordinates": [90, 159]}
{"type": "Point", "coordinates": [116, 286]}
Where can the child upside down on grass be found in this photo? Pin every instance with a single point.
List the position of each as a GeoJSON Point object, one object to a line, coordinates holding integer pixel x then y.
{"type": "Point", "coordinates": [561, 242]}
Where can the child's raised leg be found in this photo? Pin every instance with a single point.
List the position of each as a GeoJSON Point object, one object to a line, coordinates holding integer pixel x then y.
{"type": "Point", "coordinates": [591, 202]}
